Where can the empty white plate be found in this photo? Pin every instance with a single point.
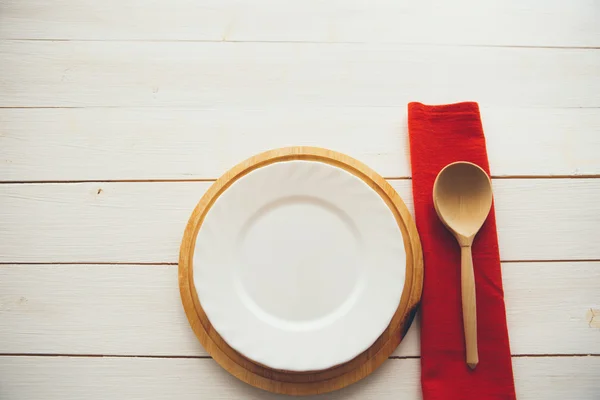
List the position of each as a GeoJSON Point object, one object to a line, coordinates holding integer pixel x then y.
{"type": "Point", "coordinates": [299, 265]}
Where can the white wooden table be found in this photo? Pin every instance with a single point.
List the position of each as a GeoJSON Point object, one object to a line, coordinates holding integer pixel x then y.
{"type": "Point", "coordinates": [116, 115]}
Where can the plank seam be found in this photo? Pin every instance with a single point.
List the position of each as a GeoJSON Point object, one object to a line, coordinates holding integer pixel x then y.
{"type": "Point", "coordinates": [133, 263]}
{"type": "Point", "coordinates": [210, 180]}
{"type": "Point", "coordinates": [50, 355]}
{"type": "Point", "coordinates": [90, 263]}
{"type": "Point", "coordinates": [208, 108]}
{"type": "Point", "coordinates": [333, 43]}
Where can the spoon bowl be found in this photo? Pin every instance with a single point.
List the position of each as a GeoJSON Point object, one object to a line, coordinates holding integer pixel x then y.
{"type": "Point", "coordinates": [462, 197]}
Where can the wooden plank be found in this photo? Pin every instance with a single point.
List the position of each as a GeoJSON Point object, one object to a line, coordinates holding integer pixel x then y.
{"type": "Point", "coordinates": [552, 378]}
{"type": "Point", "coordinates": [136, 310]}
{"type": "Point", "coordinates": [557, 378]}
{"type": "Point", "coordinates": [142, 143]}
{"type": "Point", "coordinates": [558, 214]}
{"type": "Point", "coordinates": [524, 23]}
{"type": "Point", "coordinates": [279, 75]}
{"type": "Point", "coordinates": [144, 222]}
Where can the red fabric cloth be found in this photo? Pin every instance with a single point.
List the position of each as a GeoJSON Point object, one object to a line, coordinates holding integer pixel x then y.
{"type": "Point", "coordinates": [440, 135]}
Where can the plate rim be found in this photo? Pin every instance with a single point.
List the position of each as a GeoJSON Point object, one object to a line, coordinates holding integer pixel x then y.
{"type": "Point", "coordinates": [305, 382]}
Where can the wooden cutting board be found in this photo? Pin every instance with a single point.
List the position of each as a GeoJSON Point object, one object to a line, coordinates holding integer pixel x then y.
{"type": "Point", "coordinates": [313, 382]}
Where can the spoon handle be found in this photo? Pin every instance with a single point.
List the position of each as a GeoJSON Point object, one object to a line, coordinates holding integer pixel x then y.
{"type": "Point", "coordinates": [469, 307]}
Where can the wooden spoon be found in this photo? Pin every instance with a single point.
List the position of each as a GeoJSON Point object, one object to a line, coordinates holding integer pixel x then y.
{"type": "Point", "coordinates": [462, 196]}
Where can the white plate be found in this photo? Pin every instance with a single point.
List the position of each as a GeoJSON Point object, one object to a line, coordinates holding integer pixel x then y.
{"type": "Point", "coordinates": [299, 265]}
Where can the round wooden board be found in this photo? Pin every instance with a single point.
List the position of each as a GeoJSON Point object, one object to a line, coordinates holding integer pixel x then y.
{"type": "Point", "coordinates": [314, 382]}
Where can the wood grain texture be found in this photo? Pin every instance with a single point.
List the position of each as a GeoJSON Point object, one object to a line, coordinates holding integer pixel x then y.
{"type": "Point", "coordinates": [462, 198]}
{"type": "Point", "coordinates": [469, 307]}
{"type": "Point", "coordinates": [189, 110]}
{"type": "Point", "coordinates": [316, 382]}
{"type": "Point", "coordinates": [520, 23]}
{"type": "Point", "coordinates": [60, 378]}
{"type": "Point", "coordinates": [136, 310]}
{"type": "Point", "coordinates": [280, 75]}
{"type": "Point", "coordinates": [143, 222]}
{"type": "Point", "coordinates": [168, 143]}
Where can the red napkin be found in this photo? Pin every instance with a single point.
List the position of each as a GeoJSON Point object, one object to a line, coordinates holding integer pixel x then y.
{"type": "Point", "coordinates": [440, 135]}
